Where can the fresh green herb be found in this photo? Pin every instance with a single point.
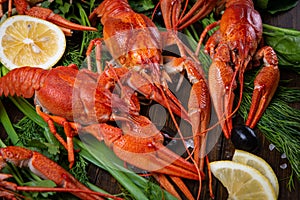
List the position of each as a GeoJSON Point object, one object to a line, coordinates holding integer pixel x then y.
{"type": "Point", "coordinates": [286, 44]}
{"type": "Point", "coordinates": [28, 130]}
{"type": "Point", "coordinates": [15, 139]}
{"type": "Point", "coordinates": [204, 58]}
{"type": "Point", "coordinates": [275, 6]}
{"type": "Point", "coordinates": [45, 4]}
{"type": "Point", "coordinates": [142, 5]}
{"type": "Point", "coordinates": [207, 21]}
{"type": "Point", "coordinates": [64, 7]}
{"type": "Point", "coordinates": [40, 183]}
{"type": "Point", "coordinates": [8, 126]}
{"type": "Point", "coordinates": [2, 144]}
{"type": "Point", "coordinates": [29, 111]}
{"type": "Point", "coordinates": [32, 135]}
{"type": "Point", "coordinates": [97, 153]}
{"type": "Point", "coordinates": [79, 170]}
{"type": "Point", "coordinates": [88, 37]}
{"type": "Point", "coordinates": [97, 189]}
{"type": "Point", "coordinates": [58, 7]}
{"type": "Point", "coordinates": [72, 56]}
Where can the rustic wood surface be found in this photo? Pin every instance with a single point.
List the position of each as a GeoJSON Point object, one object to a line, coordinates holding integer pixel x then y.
{"type": "Point", "coordinates": [223, 149]}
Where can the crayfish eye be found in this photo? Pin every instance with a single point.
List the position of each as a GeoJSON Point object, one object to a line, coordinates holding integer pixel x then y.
{"type": "Point", "coordinates": [161, 67]}
{"type": "Point", "coordinates": [236, 51]}
{"type": "Point", "coordinates": [147, 71]}
{"type": "Point", "coordinates": [116, 111]}
{"type": "Point", "coordinates": [231, 64]}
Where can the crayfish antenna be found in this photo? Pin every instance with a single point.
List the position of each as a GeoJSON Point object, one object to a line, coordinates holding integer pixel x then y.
{"type": "Point", "coordinates": [166, 184]}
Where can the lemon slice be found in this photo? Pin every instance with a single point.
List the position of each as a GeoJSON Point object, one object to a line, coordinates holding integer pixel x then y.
{"type": "Point", "coordinates": [242, 182]}
{"type": "Point", "coordinates": [29, 41]}
{"type": "Point", "coordinates": [258, 163]}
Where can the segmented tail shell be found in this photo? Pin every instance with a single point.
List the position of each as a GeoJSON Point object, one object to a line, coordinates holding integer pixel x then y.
{"type": "Point", "coordinates": [22, 81]}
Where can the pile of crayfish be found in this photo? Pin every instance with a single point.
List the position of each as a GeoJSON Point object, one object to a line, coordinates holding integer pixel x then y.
{"type": "Point", "coordinates": [106, 103]}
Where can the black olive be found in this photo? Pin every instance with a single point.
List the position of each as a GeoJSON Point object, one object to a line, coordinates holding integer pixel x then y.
{"type": "Point", "coordinates": [158, 18]}
{"type": "Point", "coordinates": [244, 138]}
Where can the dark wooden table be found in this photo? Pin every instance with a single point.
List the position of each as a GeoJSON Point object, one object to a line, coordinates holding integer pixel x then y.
{"type": "Point", "coordinates": [224, 148]}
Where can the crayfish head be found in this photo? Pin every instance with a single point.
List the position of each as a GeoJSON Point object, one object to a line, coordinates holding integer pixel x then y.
{"type": "Point", "coordinates": [154, 73]}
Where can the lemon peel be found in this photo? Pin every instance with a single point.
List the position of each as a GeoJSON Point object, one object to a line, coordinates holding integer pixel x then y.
{"type": "Point", "coordinates": [258, 163]}
{"type": "Point", "coordinates": [242, 181]}
{"type": "Point", "coordinates": [29, 41]}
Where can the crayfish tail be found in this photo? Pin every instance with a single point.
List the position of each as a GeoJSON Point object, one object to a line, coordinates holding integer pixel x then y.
{"type": "Point", "coordinates": [22, 81]}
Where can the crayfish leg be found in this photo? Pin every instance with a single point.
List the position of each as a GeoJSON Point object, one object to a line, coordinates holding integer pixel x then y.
{"type": "Point", "coordinates": [69, 129]}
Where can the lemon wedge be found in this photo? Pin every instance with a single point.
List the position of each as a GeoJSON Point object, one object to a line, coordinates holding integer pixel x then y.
{"type": "Point", "coordinates": [258, 163]}
{"type": "Point", "coordinates": [29, 41]}
{"type": "Point", "coordinates": [242, 182]}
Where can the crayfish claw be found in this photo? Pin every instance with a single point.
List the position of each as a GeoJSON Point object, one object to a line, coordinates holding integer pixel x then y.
{"type": "Point", "coordinates": [265, 85]}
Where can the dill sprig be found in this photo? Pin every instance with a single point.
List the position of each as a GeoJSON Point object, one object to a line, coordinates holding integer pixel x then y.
{"type": "Point", "coordinates": [280, 123]}
{"type": "Point", "coordinates": [79, 169]}
{"type": "Point", "coordinates": [32, 136]}
{"type": "Point", "coordinates": [72, 55]}
{"type": "Point", "coordinates": [28, 131]}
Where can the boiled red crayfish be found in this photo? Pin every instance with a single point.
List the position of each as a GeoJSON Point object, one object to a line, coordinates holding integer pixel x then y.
{"type": "Point", "coordinates": [44, 168]}
{"type": "Point", "coordinates": [23, 8]}
{"type": "Point", "coordinates": [80, 100]}
{"type": "Point", "coordinates": [136, 43]}
{"type": "Point", "coordinates": [83, 101]}
{"type": "Point", "coordinates": [234, 49]}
